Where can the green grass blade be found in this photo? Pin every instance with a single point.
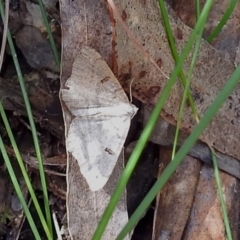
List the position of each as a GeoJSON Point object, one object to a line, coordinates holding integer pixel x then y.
{"type": "Point", "coordinates": [32, 124]}
{"type": "Point", "coordinates": [187, 145]}
{"type": "Point", "coordinates": [197, 8]}
{"type": "Point", "coordinates": [24, 172]}
{"type": "Point", "coordinates": [18, 191]}
{"type": "Point", "coordinates": [220, 193]}
{"type": "Point", "coordinates": [175, 54]}
{"type": "Point", "coordinates": [149, 127]}
{"type": "Point", "coordinates": [4, 33]}
{"type": "Point", "coordinates": [194, 59]}
{"type": "Point", "coordinates": [52, 42]}
{"type": "Point", "coordinates": [185, 82]}
{"type": "Point", "coordinates": [216, 171]}
{"type": "Point", "coordinates": [223, 21]}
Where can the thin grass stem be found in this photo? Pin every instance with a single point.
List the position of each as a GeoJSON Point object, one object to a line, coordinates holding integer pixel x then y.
{"type": "Point", "coordinates": [52, 42]}
{"type": "Point", "coordinates": [220, 194]}
{"type": "Point", "coordinates": [223, 21]}
{"type": "Point", "coordinates": [24, 172]}
{"type": "Point", "coordinates": [32, 124]}
{"type": "Point", "coordinates": [173, 49]}
{"type": "Point", "coordinates": [18, 191]}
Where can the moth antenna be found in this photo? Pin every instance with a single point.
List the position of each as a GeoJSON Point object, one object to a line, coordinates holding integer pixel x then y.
{"type": "Point", "coordinates": [130, 90]}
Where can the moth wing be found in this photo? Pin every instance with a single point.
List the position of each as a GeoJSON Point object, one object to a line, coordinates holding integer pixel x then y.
{"type": "Point", "coordinates": [96, 145]}
{"type": "Point", "coordinates": [92, 84]}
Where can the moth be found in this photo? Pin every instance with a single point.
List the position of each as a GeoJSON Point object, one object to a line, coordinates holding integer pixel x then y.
{"type": "Point", "coordinates": [101, 116]}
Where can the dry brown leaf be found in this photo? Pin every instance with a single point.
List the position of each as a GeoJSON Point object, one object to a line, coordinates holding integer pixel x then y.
{"type": "Point", "coordinates": [173, 203]}
{"type": "Point", "coordinates": [164, 134]}
{"type": "Point", "coordinates": [228, 39]}
{"type": "Point", "coordinates": [35, 48]}
{"type": "Point", "coordinates": [205, 220]}
{"type": "Point", "coordinates": [85, 207]}
{"type": "Point", "coordinates": [211, 72]}
{"type": "Point", "coordinates": [188, 206]}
